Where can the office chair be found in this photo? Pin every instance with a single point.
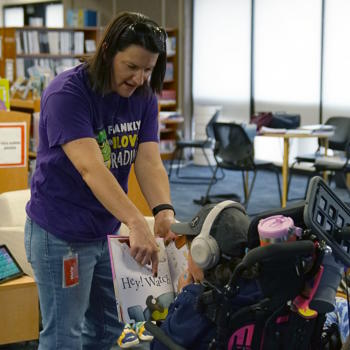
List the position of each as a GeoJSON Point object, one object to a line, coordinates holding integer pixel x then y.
{"type": "Point", "coordinates": [336, 165]}
{"type": "Point", "coordinates": [338, 142]}
{"type": "Point", "coordinates": [235, 151]}
{"type": "Point", "coordinates": [203, 144]}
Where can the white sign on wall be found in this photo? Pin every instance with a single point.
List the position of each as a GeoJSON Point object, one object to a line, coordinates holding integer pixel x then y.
{"type": "Point", "coordinates": [13, 144]}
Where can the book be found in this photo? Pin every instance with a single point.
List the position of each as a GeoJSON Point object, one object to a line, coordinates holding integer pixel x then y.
{"type": "Point", "coordinates": [81, 18]}
{"type": "Point", "coordinates": [267, 130]}
{"type": "Point", "coordinates": [169, 72]}
{"type": "Point", "coordinates": [319, 129]}
{"type": "Point", "coordinates": [139, 295]}
{"type": "Point", "coordinates": [4, 94]}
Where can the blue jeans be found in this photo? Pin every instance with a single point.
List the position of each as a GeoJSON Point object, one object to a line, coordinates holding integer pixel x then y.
{"type": "Point", "coordinates": [80, 317]}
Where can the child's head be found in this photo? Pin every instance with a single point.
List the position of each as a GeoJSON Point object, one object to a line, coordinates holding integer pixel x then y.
{"type": "Point", "coordinates": [218, 233]}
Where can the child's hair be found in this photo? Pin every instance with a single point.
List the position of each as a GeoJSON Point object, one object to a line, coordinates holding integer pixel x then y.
{"type": "Point", "coordinates": [220, 274]}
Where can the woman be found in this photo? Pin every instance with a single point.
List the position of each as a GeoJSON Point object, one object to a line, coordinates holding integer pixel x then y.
{"type": "Point", "coordinates": [96, 120]}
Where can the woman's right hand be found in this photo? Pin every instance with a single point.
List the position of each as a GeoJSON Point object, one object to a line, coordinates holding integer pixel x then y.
{"type": "Point", "coordinates": [143, 246]}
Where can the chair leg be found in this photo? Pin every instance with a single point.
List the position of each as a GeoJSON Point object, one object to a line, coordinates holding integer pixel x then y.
{"type": "Point", "coordinates": [289, 181]}
{"type": "Point", "coordinates": [172, 161]}
{"type": "Point", "coordinates": [279, 185]}
{"type": "Point", "coordinates": [245, 181]}
{"type": "Point", "coordinates": [211, 183]}
{"type": "Point", "coordinates": [246, 199]}
{"type": "Point", "coordinates": [179, 159]}
{"type": "Point", "coordinates": [212, 168]}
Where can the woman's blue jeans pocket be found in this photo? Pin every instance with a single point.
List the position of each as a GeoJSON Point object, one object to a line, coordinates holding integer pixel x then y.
{"type": "Point", "coordinates": [28, 231]}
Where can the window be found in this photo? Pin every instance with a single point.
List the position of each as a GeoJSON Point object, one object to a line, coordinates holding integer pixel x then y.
{"type": "Point", "coordinates": [336, 93]}
{"type": "Point", "coordinates": [288, 56]}
{"type": "Point", "coordinates": [221, 55]}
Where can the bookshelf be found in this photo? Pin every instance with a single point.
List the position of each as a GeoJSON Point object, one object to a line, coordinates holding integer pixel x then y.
{"type": "Point", "coordinates": [169, 135]}
{"type": "Point", "coordinates": [168, 100]}
{"type": "Point", "coordinates": [54, 48]}
{"type": "Point", "coordinates": [51, 47]}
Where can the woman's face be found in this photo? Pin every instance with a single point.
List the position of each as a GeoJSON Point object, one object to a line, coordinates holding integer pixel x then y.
{"type": "Point", "coordinates": [131, 68]}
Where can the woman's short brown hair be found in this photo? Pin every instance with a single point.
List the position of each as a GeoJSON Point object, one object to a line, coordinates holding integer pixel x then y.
{"type": "Point", "coordinates": [128, 28]}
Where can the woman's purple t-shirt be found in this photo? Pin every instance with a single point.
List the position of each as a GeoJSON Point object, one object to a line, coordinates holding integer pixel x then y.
{"type": "Point", "coordinates": [61, 202]}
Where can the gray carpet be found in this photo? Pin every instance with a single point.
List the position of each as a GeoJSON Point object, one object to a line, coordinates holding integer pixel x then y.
{"type": "Point", "coordinates": [264, 195]}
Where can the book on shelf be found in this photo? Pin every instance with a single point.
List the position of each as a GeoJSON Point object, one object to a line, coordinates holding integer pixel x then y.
{"type": "Point", "coordinates": [4, 94]}
{"type": "Point", "coordinates": [90, 46]}
{"type": "Point", "coordinates": [78, 43]}
{"type": "Point", "coordinates": [167, 145]}
{"type": "Point", "coordinates": [140, 296]}
{"type": "Point", "coordinates": [169, 72]}
{"type": "Point", "coordinates": [81, 18]}
{"type": "Point", "coordinates": [171, 46]}
{"type": "Point", "coordinates": [47, 67]}
{"type": "Point", "coordinates": [167, 97]}
{"type": "Point", "coordinates": [54, 42]}
{"type": "Point", "coordinates": [169, 115]}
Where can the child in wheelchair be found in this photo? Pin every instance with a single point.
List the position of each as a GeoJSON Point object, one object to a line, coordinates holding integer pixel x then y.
{"type": "Point", "coordinates": [217, 240]}
{"type": "Point", "coordinates": [277, 296]}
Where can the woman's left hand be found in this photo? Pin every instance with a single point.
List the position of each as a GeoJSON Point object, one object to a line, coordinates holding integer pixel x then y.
{"type": "Point", "coordinates": [162, 222]}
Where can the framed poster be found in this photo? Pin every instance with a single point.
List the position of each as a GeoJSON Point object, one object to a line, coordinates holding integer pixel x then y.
{"type": "Point", "coordinates": [13, 144]}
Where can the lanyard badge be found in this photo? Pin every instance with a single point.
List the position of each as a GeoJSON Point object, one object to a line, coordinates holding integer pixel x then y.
{"type": "Point", "coordinates": [70, 270]}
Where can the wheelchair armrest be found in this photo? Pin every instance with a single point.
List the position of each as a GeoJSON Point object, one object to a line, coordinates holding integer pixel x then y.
{"type": "Point", "coordinates": [275, 251]}
{"type": "Point", "coordinates": [160, 335]}
{"type": "Point", "coordinates": [278, 251]}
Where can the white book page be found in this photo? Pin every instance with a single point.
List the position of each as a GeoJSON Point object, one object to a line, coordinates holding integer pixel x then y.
{"type": "Point", "coordinates": [140, 295]}
{"type": "Point", "coordinates": [177, 259]}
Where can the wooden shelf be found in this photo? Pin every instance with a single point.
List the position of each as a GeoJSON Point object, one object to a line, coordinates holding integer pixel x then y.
{"type": "Point", "coordinates": [19, 304]}
{"type": "Point", "coordinates": [166, 155]}
{"type": "Point", "coordinates": [34, 46]}
{"type": "Point", "coordinates": [49, 55]}
{"type": "Point", "coordinates": [60, 29]}
{"type": "Point", "coordinates": [33, 105]}
{"type": "Point", "coordinates": [168, 134]}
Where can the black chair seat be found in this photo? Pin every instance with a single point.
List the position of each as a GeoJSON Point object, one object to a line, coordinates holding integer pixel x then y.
{"type": "Point", "coordinates": [258, 165]}
{"type": "Point", "coordinates": [193, 143]}
{"type": "Point", "coordinates": [338, 142]}
{"type": "Point", "coordinates": [306, 158]}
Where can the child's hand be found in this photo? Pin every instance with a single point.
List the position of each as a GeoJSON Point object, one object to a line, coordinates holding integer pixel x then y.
{"type": "Point", "coordinates": [184, 280]}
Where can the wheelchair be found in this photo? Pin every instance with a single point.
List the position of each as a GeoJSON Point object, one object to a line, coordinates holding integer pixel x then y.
{"type": "Point", "coordinates": [298, 281]}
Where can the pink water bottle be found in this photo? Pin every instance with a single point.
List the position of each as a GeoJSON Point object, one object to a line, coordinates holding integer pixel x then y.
{"type": "Point", "coordinates": [277, 228]}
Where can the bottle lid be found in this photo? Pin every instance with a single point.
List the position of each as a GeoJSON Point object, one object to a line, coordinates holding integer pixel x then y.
{"type": "Point", "coordinates": [276, 226]}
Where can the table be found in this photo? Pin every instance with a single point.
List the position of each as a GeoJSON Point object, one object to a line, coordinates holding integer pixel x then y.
{"type": "Point", "coordinates": [323, 137]}
{"type": "Point", "coordinates": [19, 315]}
